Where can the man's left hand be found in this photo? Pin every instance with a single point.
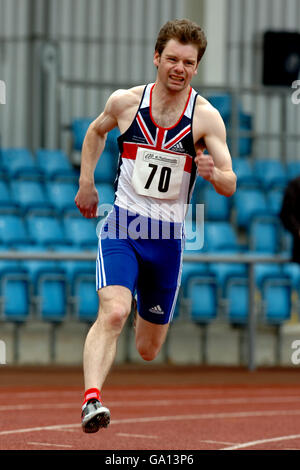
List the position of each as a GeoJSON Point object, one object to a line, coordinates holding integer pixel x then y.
{"type": "Point", "coordinates": [205, 165]}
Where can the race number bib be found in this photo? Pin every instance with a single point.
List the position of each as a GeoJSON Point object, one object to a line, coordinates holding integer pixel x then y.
{"type": "Point", "coordinates": [158, 174]}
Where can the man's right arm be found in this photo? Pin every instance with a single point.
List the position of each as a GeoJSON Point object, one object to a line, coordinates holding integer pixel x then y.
{"type": "Point", "coordinates": [93, 145]}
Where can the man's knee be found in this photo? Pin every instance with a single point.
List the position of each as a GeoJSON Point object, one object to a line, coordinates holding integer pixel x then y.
{"type": "Point", "coordinates": [148, 349]}
{"type": "Point", "coordinates": [149, 338]}
{"type": "Point", "coordinates": [113, 314]}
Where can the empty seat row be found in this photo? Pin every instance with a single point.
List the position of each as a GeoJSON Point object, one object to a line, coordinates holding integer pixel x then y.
{"type": "Point", "coordinates": [51, 165]}
{"type": "Point", "coordinates": [246, 203]}
{"type": "Point", "coordinates": [45, 291]}
{"type": "Point", "coordinates": [55, 289]}
{"type": "Point", "coordinates": [26, 196]}
{"type": "Point", "coordinates": [223, 289]}
{"type": "Point", "coordinates": [265, 173]}
{"type": "Point", "coordinates": [264, 235]}
{"type": "Point", "coordinates": [47, 231]}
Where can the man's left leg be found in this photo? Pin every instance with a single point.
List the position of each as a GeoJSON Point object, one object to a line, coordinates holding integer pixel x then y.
{"type": "Point", "coordinates": [149, 338]}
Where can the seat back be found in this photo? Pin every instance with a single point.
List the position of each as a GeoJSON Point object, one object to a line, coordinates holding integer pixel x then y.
{"type": "Point", "coordinates": [45, 230]}
{"type": "Point", "coordinates": [80, 231]}
{"type": "Point", "coordinates": [220, 236]}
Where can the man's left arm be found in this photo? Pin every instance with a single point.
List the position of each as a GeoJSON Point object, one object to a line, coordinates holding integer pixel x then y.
{"type": "Point", "coordinates": [216, 167]}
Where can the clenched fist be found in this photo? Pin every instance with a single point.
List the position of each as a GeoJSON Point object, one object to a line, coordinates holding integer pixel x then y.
{"type": "Point", "coordinates": [205, 165]}
{"type": "Point", "coordinates": [87, 200]}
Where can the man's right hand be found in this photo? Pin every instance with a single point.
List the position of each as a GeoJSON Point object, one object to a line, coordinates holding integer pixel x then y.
{"type": "Point", "coordinates": [87, 200]}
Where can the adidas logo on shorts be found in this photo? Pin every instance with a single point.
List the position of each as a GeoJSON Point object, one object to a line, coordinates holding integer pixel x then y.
{"type": "Point", "coordinates": [156, 309]}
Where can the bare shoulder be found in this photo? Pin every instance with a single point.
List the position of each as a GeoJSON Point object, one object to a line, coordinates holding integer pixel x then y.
{"type": "Point", "coordinates": [122, 99]}
{"type": "Point", "coordinates": [205, 109]}
{"type": "Point", "coordinates": [208, 117]}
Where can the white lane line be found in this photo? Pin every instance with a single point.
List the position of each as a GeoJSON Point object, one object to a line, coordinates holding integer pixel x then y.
{"type": "Point", "coordinates": [124, 434]}
{"type": "Point", "coordinates": [151, 419]}
{"type": "Point", "coordinates": [262, 441]}
{"type": "Point", "coordinates": [200, 401]}
{"type": "Point", "coordinates": [56, 427]}
{"type": "Point", "coordinates": [47, 444]}
{"type": "Point", "coordinates": [218, 442]}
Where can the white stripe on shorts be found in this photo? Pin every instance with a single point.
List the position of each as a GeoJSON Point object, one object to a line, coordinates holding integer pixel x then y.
{"type": "Point", "coordinates": [100, 271]}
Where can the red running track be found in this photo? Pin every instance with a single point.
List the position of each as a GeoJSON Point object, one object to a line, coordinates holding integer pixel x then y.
{"type": "Point", "coordinates": [166, 417]}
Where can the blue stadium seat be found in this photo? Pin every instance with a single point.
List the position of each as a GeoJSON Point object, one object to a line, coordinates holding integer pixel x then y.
{"type": "Point", "coordinates": [293, 169]}
{"type": "Point", "coordinates": [286, 242]}
{"type": "Point", "coordinates": [49, 285]}
{"type": "Point", "coordinates": [86, 298]}
{"type": "Point", "coordinates": [202, 293]}
{"type": "Point", "coordinates": [274, 200]}
{"type": "Point", "coordinates": [236, 293]}
{"type": "Point", "coordinates": [249, 203]}
{"type": "Point", "coordinates": [13, 230]}
{"type": "Point", "coordinates": [246, 177]}
{"type": "Point", "coordinates": [45, 230]}
{"type": "Point", "coordinates": [112, 143]}
{"type": "Point", "coordinates": [265, 235]}
{"type": "Point", "coordinates": [80, 231]}
{"type": "Point", "coordinates": [52, 297]}
{"type": "Point", "coordinates": [223, 272]}
{"type": "Point", "coordinates": [15, 295]}
{"type": "Point", "coordinates": [20, 163]}
{"type": "Point", "coordinates": [190, 270]}
{"type": "Point", "coordinates": [270, 173]}
{"type": "Point", "coordinates": [216, 206]}
{"type": "Point", "coordinates": [292, 270]}
{"type": "Point", "coordinates": [245, 143]}
{"type": "Point", "coordinates": [82, 284]}
{"type": "Point", "coordinates": [106, 193]}
{"type": "Point", "coordinates": [74, 268]}
{"type": "Point", "coordinates": [220, 237]}
{"type": "Point", "coordinates": [61, 195]}
{"type": "Point", "coordinates": [79, 128]}
{"type": "Point", "coordinates": [267, 271]}
{"type": "Point", "coordinates": [223, 102]}
{"type": "Point", "coordinates": [105, 171]}
{"type": "Point", "coordinates": [54, 164]}
{"type": "Point", "coordinates": [7, 203]}
{"type": "Point", "coordinates": [14, 290]}
{"type": "Point", "coordinates": [30, 195]}
{"type": "Point", "coordinates": [277, 300]}
{"type": "Point", "coordinates": [37, 267]}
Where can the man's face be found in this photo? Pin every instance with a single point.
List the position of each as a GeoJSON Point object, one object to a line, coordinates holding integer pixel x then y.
{"type": "Point", "coordinates": [177, 65]}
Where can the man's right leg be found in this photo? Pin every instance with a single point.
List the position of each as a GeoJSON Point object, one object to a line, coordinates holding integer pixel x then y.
{"type": "Point", "coordinates": [101, 342]}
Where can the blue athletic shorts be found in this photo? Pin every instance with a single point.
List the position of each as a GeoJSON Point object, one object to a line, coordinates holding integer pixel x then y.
{"type": "Point", "coordinates": [144, 255]}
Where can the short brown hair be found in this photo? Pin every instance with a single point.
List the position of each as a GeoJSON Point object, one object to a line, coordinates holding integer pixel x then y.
{"type": "Point", "coordinates": [184, 31]}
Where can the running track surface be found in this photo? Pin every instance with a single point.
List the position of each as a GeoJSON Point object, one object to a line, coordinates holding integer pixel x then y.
{"type": "Point", "coordinates": [153, 408]}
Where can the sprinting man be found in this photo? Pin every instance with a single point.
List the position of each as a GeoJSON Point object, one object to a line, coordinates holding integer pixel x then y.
{"type": "Point", "coordinates": [165, 127]}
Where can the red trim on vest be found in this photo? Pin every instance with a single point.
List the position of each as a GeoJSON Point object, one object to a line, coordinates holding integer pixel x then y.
{"type": "Point", "coordinates": [130, 151]}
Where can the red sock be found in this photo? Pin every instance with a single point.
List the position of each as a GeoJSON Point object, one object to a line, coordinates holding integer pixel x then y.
{"type": "Point", "coordinates": [90, 394]}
